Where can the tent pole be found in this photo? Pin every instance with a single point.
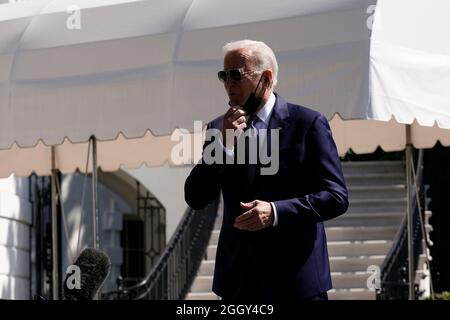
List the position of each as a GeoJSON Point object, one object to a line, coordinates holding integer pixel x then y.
{"type": "Point", "coordinates": [410, 212]}
{"type": "Point", "coordinates": [95, 224]}
{"type": "Point", "coordinates": [55, 275]}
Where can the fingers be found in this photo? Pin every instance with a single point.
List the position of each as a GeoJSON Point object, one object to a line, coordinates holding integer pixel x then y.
{"type": "Point", "coordinates": [236, 114]}
{"type": "Point", "coordinates": [248, 219]}
{"type": "Point", "coordinates": [255, 226]}
{"type": "Point", "coordinates": [249, 205]}
{"type": "Point", "coordinates": [234, 119]}
{"type": "Point", "coordinates": [241, 126]}
{"type": "Point", "coordinates": [245, 216]}
{"type": "Point", "coordinates": [230, 111]}
{"type": "Point", "coordinates": [256, 218]}
{"type": "Point", "coordinates": [252, 223]}
{"type": "Point", "coordinates": [238, 121]}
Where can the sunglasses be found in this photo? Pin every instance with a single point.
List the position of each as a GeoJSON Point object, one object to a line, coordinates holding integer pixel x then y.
{"type": "Point", "coordinates": [234, 74]}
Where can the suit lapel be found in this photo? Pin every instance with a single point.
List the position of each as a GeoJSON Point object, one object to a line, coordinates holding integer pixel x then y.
{"type": "Point", "coordinates": [279, 120]}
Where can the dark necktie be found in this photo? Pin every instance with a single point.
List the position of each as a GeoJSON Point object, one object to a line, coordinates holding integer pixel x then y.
{"type": "Point", "coordinates": [250, 168]}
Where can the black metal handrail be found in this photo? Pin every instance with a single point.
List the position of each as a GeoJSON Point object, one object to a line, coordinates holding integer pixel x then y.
{"type": "Point", "coordinates": [173, 274]}
{"type": "Point", "coordinates": [394, 270]}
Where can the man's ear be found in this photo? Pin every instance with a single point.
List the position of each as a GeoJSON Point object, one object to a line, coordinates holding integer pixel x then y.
{"type": "Point", "coordinates": [268, 77]}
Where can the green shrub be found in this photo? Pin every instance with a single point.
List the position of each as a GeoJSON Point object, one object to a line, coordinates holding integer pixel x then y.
{"type": "Point", "coordinates": [445, 295]}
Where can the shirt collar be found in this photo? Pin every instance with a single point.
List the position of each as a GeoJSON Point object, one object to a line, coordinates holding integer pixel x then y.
{"type": "Point", "coordinates": [265, 112]}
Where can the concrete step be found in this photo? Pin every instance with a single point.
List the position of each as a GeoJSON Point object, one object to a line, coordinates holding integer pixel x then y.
{"type": "Point", "coordinates": [353, 294]}
{"type": "Point", "coordinates": [352, 249]}
{"type": "Point", "coordinates": [360, 233]}
{"type": "Point", "coordinates": [211, 252]}
{"type": "Point", "coordinates": [214, 239]}
{"type": "Point", "coordinates": [375, 219]}
{"type": "Point", "coordinates": [218, 222]}
{"type": "Point", "coordinates": [337, 264]}
{"type": "Point", "coordinates": [343, 234]}
{"type": "Point", "coordinates": [352, 167]}
{"type": "Point", "coordinates": [376, 192]}
{"type": "Point", "coordinates": [377, 179]}
{"type": "Point", "coordinates": [377, 205]}
{"type": "Point", "coordinates": [202, 284]}
{"type": "Point", "coordinates": [339, 248]}
{"type": "Point", "coordinates": [354, 264]}
{"type": "Point", "coordinates": [358, 219]}
{"type": "Point", "coordinates": [347, 280]}
{"type": "Point", "coordinates": [202, 296]}
{"type": "Point", "coordinates": [206, 268]}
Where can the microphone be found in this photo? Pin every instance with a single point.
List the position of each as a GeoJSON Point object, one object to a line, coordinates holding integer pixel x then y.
{"type": "Point", "coordinates": [93, 267]}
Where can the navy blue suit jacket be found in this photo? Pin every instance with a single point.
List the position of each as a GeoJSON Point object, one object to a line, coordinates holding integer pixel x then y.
{"type": "Point", "coordinates": [290, 259]}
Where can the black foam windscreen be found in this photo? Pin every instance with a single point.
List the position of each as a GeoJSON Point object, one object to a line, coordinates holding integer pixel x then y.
{"type": "Point", "coordinates": [94, 266]}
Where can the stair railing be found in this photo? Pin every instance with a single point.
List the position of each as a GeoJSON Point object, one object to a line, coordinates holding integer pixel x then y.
{"type": "Point", "coordinates": [173, 274]}
{"type": "Point", "coordinates": [394, 282]}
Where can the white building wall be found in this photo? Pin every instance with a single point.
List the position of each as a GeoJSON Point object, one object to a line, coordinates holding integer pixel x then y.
{"type": "Point", "coordinates": [15, 221]}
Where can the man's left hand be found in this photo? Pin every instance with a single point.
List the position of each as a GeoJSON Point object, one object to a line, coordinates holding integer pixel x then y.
{"type": "Point", "coordinates": [258, 216]}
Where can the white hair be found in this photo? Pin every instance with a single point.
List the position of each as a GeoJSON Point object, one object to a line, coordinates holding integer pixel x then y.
{"type": "Point", "coordinates": [261, 52]}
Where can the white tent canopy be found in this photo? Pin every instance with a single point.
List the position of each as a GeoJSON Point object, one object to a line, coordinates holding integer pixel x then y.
{"type": "Point", "coordinates": [410, 62]}
{"type": "Point", "coordinates": [138, 66]}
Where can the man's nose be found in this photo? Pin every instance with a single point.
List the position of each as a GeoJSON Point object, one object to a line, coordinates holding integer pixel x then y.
{"type": "Point", "coordinates": [230, 80]}
{"type": "Point", "coordinates": [229, 83]}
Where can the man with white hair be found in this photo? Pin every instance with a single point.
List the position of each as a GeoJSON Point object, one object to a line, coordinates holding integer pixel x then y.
{"type": "Point", "coordinates": [272, 244]}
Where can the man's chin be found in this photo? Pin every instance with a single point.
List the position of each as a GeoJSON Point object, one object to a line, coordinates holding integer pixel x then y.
{"type": "Point", "coordinates": [235, 102]}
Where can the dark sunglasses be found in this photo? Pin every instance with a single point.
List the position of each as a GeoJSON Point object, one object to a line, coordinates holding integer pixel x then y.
{"type": "Point", "coordinates": [234, 74]}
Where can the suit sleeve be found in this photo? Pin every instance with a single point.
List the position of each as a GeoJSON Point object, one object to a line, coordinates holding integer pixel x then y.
{"type": "Point", "coordinates": [203, 184]}
{"type": "Point", "coordinates": [330, 196]}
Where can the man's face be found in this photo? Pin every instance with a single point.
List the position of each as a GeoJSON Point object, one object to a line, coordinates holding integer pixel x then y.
{"type": "Point", "coordinates": [239, 91]}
